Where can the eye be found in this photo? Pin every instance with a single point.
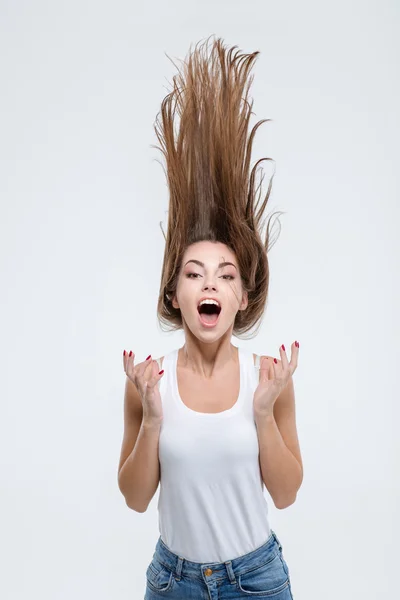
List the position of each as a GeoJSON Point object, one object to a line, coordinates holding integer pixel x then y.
{"type": "Point", "coordinates": [197, 275]}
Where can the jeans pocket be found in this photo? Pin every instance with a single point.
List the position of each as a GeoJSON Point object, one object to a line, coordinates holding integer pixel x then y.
{"type": "Point", "coordinates": [159, 577]}
{"type": "Point", "coordinates": [266, 580]}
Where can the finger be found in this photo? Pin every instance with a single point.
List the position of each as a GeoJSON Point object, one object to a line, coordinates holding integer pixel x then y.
{"type": "Point", "coordinates": [149, 369]}
{"type": "Point", "coordinates": [284, 358]}
{"type": "Point", "coordinates": [130, 363]}
{"type": "Point", "coordinates": [272, 372]}
{"type": "Point", "coordinates": [139, 373]}
{"type": "Point", "coordinates": [142, 367]}
{"type": "Point", "coordinates": [264, 368]}
{"type": "Point", "coordinates": [155, 375]}
{"type": "Point", "coordinates": [279, 373]}
{"type": "Point", "coordinates": [261, 368]}
{"type": "Point", "coordinates": [294, 357]}
{"type": "Point", "coordinates": [126, 359]}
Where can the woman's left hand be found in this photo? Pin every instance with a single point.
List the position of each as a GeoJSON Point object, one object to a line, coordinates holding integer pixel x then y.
{"type": "Point", "coordinates": [273, 379]}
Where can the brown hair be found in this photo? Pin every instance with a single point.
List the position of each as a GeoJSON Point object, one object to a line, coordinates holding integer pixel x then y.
{"type": "Point", "coordinates": [211, 192]}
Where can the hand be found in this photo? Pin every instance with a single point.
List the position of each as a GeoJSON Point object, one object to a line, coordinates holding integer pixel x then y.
{"type": "Point", "coordinates": [145, 377]}
{"type": "Point", "coordinates": [273, 379]}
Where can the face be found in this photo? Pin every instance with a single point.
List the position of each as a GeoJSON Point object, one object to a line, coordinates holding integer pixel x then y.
{"type": "Point", "coordinates": [213, 280]}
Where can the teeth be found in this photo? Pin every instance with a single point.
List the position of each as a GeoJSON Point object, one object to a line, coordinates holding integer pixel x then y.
{"type": "Point", "coordinates": [209, 301]}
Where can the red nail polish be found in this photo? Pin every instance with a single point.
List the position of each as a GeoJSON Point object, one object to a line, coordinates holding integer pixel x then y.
{"type": "Point", "coordinates": [130, 353]}
{"type": "Point", "coordinates": [283, 347]}
{"type": "Point", "coordinates": [275, 361]}
{"type": "Point", "coordinates": [148, 357]}
{"type": "Point", "coordinates": [124, 352]}
{"type": "Point", "coordinates": [161, 372]}
{"type": "Point", "coordinates": [297, 344]}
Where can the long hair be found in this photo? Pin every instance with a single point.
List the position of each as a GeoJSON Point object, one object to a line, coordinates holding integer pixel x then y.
{"type": "Point", "coordinates": [212, 193]}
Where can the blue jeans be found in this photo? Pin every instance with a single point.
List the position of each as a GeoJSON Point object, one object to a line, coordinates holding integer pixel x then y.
{"type": "Point", "coordinates": [262, 573]}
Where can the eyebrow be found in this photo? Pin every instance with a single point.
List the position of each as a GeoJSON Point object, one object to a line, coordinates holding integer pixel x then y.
{"type": "Point", "coordinates": [201, 264]}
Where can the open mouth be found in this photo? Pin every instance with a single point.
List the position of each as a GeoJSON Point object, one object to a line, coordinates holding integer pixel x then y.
{"type": "Point", "coordinates": [209, 314]}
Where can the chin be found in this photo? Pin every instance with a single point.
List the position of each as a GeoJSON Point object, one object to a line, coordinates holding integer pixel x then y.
{"type": "Point", "coordinates": [204, 333]}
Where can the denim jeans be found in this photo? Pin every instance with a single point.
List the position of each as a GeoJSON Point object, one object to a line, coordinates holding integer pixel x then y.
{"type": "Point", "coordinates": [262, 573]}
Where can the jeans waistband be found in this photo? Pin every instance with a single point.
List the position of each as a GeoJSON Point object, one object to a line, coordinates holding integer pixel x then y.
{"type": "Point", "coordinates": [237, 566]}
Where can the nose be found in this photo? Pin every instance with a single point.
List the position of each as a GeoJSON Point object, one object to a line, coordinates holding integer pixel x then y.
{"type": "Point", "coordinates": [206, 288]}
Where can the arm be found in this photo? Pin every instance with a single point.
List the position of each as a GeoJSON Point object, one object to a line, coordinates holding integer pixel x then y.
{"type": "Point", "coordinates": [140, 474]}
{"type": "Point", "coordinates": [139, 468]}
{"type": "Point", "coordinates": [281, 472]}
{"type": "Point", "coordinates": [280, 456]}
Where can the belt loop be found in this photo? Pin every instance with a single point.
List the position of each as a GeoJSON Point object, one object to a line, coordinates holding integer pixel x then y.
{"type": "Point", "coordinates": [178, 568]}
{"type": "Point", "coordinates": [277, 540]}
{"type": "Point", "coordinates": [231, 574]}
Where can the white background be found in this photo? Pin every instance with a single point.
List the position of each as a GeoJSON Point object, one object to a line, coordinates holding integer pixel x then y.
{"type": "Point", "coordinates": [82, 195]}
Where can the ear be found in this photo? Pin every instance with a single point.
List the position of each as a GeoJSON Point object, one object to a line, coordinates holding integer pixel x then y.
{"type": "Point", "coordinates": [245, 301]}
{"type": "Point", "coordinates": [175, 302]}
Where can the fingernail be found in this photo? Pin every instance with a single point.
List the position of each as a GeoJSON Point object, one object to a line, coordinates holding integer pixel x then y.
{"type": "Point", "coordinates": [130, 353]}
{"type": "Point", "coordinates": [275, 361]}
{"type": "Point", "coordinates": [161, 372]}
{"type": "Point", "coordinates": [124, 352]}
{"type": "Point", "coordinates": [283, 347]}
{"type": "Point", "coordinates": [297, 344]}
{"type": "Point", "coordinates": [148, 357]}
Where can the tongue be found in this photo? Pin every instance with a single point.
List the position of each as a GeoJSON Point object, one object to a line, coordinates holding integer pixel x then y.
{"type": "Point", "coordinates": [209, 319]}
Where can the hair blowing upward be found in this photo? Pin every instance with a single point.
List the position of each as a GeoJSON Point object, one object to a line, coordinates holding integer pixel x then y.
{"type": "Point", "coordinates": [212, 193]}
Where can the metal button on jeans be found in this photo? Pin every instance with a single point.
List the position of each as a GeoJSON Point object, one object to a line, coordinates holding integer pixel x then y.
{"type": "Point", "coordinates": [208, 572]}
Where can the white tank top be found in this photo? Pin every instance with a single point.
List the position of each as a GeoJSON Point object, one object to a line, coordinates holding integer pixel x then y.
{"type": "Point", "coordinates": [211, 505]}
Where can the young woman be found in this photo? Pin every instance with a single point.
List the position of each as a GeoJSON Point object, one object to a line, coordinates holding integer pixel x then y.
{"type": "Point", "coordinates": [216, 423]}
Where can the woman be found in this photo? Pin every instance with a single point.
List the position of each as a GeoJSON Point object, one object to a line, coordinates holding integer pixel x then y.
{"type": "Point", "coordinates": [216, 423]}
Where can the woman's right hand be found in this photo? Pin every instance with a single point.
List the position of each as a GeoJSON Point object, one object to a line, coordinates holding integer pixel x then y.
{"type": "Point", "coordinates": [145, 376]}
